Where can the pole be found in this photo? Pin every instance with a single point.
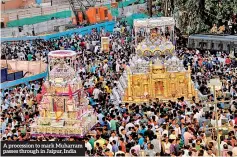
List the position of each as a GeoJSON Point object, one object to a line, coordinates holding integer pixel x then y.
{"type": "Point", "coordinates": [40, 65]}
{"type": "Point", "coordinates": [49, 64]}
{"type": "Point", "coordinates": [165, 7]}
{"type": "Point", "coordinates": [6, 57]}
{"type": "Point", "coordinates": [28, 67]}
{"type": "Point", "coordinates": [129, 86]}
{"type": "Point", "coordinates": [217, 126]}
{"type": "Point", "coordinates": [150, 6]}
{"type": "Point", "coordinates": [135, 35]}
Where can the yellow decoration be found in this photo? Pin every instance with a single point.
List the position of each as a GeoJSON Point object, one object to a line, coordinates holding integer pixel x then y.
{"type": "Point", "coordinates": [166, 79]}
{"type": "Point", "coordinates": [159, 83]}
{"type": "Point", "coordinates": [105, 44]}
{"type": "Point", "coordinates": [58, 114]}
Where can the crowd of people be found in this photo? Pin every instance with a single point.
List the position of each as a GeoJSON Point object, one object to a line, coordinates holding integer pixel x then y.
{"type": "Point", "coordinates": [155, 128]}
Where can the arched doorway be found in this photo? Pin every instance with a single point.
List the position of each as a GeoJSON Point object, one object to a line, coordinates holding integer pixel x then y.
{"type": "Point", "coordinates": [2, 25]}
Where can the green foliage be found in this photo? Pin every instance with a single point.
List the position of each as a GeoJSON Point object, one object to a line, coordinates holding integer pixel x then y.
{"type": "Point", "coordinates": [191, 17]}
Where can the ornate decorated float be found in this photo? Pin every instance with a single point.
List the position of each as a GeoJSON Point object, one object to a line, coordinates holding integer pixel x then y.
{"type": "Point", "coordinates": [155, 71]}
{"type": "Point", "coordinates": [64, 109]}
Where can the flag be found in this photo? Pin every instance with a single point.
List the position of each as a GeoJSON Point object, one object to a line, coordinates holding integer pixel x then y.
{"type": "Point", "coordinates": [55, 107]}
{"type": "Point", "coordinates": [43, 90]}
{"type": "Point", "coordinates": [70, 92]}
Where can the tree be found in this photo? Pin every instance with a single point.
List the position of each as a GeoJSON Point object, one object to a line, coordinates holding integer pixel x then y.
{"type": "Point", "coordinates": [196, 16]}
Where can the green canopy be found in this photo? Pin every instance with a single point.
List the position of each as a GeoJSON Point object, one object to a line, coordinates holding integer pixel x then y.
{"type": "Point", "coordinates": [131, 18]}
{"type": "Point", "coordinates": [115, 12]}
{"type": "Point", "coordinates": [38, 19]}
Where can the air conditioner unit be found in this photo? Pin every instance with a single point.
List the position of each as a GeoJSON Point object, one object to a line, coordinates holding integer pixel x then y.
{"type": "Point", "coordinates": [20, 28]}
{"type": "Point", "coordinates": [62, 28]}
{"type": "Point", "coordinates": [56, 28]}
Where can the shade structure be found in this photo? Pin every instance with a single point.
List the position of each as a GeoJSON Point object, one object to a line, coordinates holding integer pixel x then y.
{"type": "Point", "coordinates": [154, 22]}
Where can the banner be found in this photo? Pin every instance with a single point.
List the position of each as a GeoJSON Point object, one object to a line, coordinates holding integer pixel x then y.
{"type": "Point", "coordinates": [105, 44]}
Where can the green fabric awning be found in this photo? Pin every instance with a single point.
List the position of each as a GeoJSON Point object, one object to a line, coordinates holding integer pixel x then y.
{"type": "Point", "coordinates": [38, 19]}
{"type": "Point", "coordinates": [115, 12]}
{"type": "Point", "coordinates": [131, 18]}
{"type": "Point", "coordinates": [66, 14]}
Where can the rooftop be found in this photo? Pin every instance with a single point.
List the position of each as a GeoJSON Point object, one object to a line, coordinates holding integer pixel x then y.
{"type": "Point", "coordinates": [224, 37]}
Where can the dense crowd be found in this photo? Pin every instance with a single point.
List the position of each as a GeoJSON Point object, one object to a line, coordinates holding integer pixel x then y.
{"type": "Point", "coordinates": [155, 128]}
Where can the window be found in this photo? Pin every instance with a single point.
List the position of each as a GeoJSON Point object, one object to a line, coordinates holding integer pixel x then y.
{"type": "Point", "coordinates": [2, 25]}
{"type": "Point", "coordinates": [200, 45]}
{"type": "Point", "coordinates": [20, 28]}
{"type": "Point", "coordinates": [96, 11]}
{"type": "Point", "coordinates": [212, 45]}
{"type": "Point", "coordinates": [193, 44]}
{"type": "Point", "coordinates": [204, 45]}
{"type": "Point", "coordinates": [220, 46]}
{"type": "Point", "coordinates": [106, 13]}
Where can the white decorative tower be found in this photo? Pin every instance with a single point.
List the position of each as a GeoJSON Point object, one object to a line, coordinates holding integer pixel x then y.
{"type": "Point", "coordinates": [64, 109]}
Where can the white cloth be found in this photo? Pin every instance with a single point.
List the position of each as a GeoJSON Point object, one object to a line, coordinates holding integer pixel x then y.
{"type": "Point", "coordinates": [128, 126]}
{"type": "Point", "coordinates": [120, 128]}
{"type": "Point", "coordinates": [234, 150]}
{"type": "Point", "coordinates": [221, 145]}
{"type": "Point", "coordinates": [88, 146]}
{"type": "Point", "coordinates": [137, 149]}
{"type": "Point", "coordinates": [167, 148]}
{"type": "Point", "coordinates": [96, 93]}
{"type": "Point", "coordinates": [113, 138]}
{"type": "Point", "coordinates": [157, 145]}
{"type": "Point", "coordinates": [119, 152]}
{"type": "Point", "coordinates": [177, 131]}
{"type": "Point", "coordinates": [165, 132]}
{"type": "Point", "coordinates": [109, 146]}
{"type": "Point", "coordinates": [105, 67]}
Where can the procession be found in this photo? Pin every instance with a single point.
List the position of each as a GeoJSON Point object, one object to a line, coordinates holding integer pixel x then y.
{"type": "Point", "coordinates": [126, 90]}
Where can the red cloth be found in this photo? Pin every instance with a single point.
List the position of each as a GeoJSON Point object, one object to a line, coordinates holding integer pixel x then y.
{"type": "Point", "coordinates": [200, 62]}
{"type": "Point", "coordinates": [90, 90]}
{"type": "Point", "coordinates": [39, 97]}
{"type": "Point", "coordinates": [70, 92]}
{"type": "Point", "coordinates": [122, 41]}
{"type": "Point", "coordinates": [82, 44]}
{"type": "Point", "coordinates": [43, 91]}
{"type": "Point", "coordinates": [27, 117]}
{"type": "Point", "coordinates": [227, 61]}
{"type": "Point", "coordinates": [236, 121]}
{"type": "Point", "coordinates": [122, 144]}
{"type": "Point", "coordinates": [55, 107]}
